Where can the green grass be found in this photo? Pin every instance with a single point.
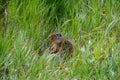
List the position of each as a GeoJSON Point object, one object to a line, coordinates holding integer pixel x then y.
{"type": "Point", "coordinates": [92, 25]}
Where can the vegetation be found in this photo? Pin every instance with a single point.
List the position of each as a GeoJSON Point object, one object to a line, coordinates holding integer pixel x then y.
{"type": "Point", "coordinates": [92, 25]}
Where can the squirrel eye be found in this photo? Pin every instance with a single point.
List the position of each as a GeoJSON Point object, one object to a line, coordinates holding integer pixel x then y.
{"type": "Point", "coordinates": [58, 36]}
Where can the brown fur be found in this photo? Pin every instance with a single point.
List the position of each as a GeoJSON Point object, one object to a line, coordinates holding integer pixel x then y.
{"type": "Point", "coordinates": [60, 45]}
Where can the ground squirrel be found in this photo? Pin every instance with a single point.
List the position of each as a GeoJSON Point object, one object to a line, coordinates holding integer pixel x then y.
{"type": "Point", "coordinates": [60, 46]}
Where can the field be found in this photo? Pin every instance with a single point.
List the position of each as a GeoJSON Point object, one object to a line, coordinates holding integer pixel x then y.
{"type": "Point", "coordinates": [93, 26]}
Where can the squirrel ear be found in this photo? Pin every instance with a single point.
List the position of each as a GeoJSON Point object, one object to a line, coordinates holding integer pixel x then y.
{"type": "Point", "coordinates": [51, 36]}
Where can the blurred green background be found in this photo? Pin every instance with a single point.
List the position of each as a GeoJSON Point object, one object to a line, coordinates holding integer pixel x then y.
{"type": "Point", "coordinates": [92, 25]}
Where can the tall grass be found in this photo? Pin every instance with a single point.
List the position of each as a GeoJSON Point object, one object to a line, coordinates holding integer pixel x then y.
{"type": "Point", "coordinates": [92, 25]}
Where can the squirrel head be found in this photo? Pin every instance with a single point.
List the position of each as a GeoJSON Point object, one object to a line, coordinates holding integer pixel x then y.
{"type": "Point", "coordinates": [55, 37]}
